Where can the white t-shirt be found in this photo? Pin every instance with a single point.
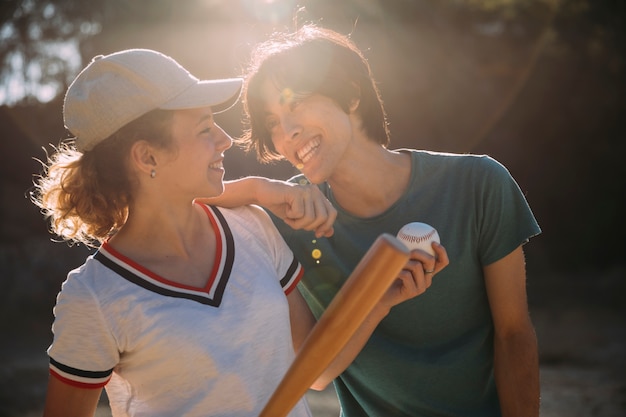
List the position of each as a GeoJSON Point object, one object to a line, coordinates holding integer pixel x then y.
{"type": "Point", "coordinates": [163, 349]}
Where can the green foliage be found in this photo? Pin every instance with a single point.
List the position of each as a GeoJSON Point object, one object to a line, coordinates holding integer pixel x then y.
{"type": "Point", "coordinates": [41, 42]}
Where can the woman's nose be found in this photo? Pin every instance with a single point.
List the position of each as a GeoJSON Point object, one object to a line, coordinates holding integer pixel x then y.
{"type": "Point", "coordinates": [224, 140]}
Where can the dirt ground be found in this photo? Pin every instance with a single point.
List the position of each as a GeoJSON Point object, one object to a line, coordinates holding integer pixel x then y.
{"type": "Point", "coordinates": [581, 331]}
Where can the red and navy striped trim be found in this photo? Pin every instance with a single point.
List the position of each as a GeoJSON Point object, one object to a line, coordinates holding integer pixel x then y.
{"type": "Point", "coordinates": [78, 377]}
{"type": "Point", "coordinates": [292, 276]}
{"type": "Point", "coordinates": [211, 294]}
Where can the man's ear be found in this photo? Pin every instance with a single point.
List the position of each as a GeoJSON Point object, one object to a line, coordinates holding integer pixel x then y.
{"type": "Point", "coordinates": [142, 157]}
{"type": "Point", "coordinates": [356, 100]}
{"type": "Point", "coordinates": [354, 104]}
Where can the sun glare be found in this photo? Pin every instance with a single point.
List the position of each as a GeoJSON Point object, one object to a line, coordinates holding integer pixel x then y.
{"type": "Point", "coordinates": [271, 11]}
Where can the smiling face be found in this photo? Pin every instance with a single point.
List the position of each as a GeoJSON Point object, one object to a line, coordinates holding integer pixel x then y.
{"type": "Point", "coordinates": [313, 61]}
{"type": "Point", "coordinates": [312, 132]}
{"type": "Point", "coordinates": [195, 168]}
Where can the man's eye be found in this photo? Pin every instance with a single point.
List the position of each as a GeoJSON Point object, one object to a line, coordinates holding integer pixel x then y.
{"type": "Point", "coordinates": [297, 100]}
{"type": "Point", "coordinates": [206, 131]}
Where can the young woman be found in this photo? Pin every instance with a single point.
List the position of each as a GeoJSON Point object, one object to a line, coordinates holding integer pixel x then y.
{"type": "Point", "coordinates": [185, 309]}
{"type": "Point", "coordinates": [465, 348]}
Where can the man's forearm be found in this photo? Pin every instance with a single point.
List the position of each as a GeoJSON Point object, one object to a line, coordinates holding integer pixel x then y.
{"type": "Point", "coordinates": [517, 374]}
{"type": "Point", "coordinates": [237, 193]}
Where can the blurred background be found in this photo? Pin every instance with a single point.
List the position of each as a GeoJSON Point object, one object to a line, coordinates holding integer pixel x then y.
{"type": "Point", "coordinates": [537, 84]}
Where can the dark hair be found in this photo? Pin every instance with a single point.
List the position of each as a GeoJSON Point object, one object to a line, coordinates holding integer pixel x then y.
{"type": "Point", "coordinates": [86, 195]}
{"type": "Point", "coordinates": [311, 60]}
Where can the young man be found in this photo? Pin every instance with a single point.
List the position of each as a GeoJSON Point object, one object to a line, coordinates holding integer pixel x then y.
{"type": "Point", "coordinates": [467, 347]}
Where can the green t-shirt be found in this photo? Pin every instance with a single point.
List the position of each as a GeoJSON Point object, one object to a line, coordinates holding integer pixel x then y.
{"type": "Point", "coordinates": [432, 355]}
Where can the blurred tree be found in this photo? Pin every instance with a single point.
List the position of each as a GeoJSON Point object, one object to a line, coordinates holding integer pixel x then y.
{"type": "Point", "coordinates": [38, 47]}
{"type": "Point", "coordinates": [41, 42]}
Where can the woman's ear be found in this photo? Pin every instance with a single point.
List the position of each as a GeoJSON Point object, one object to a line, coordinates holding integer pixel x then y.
{"type": "Point", "coordinates": [143, 157]}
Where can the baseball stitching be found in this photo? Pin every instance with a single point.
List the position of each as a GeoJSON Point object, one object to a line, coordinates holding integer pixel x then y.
{"type": "Point", "coordinates": [417, 239]}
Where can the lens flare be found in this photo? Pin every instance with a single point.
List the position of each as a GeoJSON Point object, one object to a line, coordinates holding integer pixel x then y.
{"type": "Point", "coordinates": [316, 253]}
{"type": "Point", "coordinates": [271, 11]}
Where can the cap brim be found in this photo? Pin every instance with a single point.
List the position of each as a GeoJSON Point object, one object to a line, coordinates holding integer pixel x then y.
{"type": "Point", "coordinates": [220, 95]}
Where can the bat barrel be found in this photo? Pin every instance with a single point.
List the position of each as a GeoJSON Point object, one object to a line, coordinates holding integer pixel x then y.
{"type": "Point", "coordinates": [363, 289]}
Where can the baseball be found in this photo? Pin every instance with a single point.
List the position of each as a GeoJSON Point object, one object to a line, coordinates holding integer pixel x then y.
{"type": "Point", "coordinates": [419, 236]}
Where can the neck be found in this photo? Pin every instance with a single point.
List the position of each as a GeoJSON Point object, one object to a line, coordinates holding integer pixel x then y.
{"type": "Point", "coordinates": [372, 181]}
{"type": "Point", "coordinates": [176, 244]}
{"type": "Point", "coordinates": [161, 230]}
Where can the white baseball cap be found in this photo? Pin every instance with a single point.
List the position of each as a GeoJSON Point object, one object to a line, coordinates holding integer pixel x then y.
{"type": "Point", "coordinates": [116, 89]}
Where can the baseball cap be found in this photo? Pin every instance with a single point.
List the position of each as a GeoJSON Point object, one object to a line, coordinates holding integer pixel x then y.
{"type": "Point", "coordinates": [113, 90]}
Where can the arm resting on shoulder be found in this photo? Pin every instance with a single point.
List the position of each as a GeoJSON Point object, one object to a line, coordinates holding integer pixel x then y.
{"type": "Point", "coordinates": [239, 192]}
{"type": "Point", "coordinates": [516, 360]}
{"type": "Point", "coordinates": [300, 206]}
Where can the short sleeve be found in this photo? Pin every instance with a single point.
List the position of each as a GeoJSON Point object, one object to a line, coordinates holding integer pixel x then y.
{"type": "Point", "coordinates": [505, 218]}
{"type": "Point", "coordinates": [83, 352]}
{"type": "Point", "coordinates": [289, 270]}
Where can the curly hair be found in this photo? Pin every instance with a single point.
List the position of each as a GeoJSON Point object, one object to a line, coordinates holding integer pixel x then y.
{"type": "Point", "coordinates": [86, 196]}
{"type": "Point", "coordinates": [312, 60]}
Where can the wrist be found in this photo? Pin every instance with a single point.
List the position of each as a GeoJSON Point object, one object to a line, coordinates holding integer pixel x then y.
{"type": "Point", "coordinates": [379, 312]}
{"type": "Point", "coordinates": [256, 188]}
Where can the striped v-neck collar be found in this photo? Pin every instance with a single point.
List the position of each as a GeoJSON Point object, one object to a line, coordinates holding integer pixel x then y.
{"type": "Point", "coordinates": [211, 294]}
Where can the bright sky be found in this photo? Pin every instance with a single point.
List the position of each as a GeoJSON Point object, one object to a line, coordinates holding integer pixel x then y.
{"type": "Point", "coordinates": [19, 79]}
{"type": "Point", "coordinates": [27, 78]}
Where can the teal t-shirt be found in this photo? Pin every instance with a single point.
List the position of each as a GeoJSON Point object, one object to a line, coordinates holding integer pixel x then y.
{"type": "Point", "coordinates": [432, 355]}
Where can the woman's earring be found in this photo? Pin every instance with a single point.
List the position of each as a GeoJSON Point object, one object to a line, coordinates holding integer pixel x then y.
{"type": "Point", "coordinates": [153, 173]}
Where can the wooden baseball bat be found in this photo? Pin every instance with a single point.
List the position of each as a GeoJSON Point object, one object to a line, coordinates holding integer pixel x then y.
{"type": "Point", "coordinates": [363, 289]}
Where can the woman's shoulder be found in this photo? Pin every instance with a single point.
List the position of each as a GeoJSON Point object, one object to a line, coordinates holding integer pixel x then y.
{"type": "Point", "coordinates": [87, 280]}
{"type": "Point", "coordinates": [245, 213]}
{"type": "Point", "coordinates": [252, 218]}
